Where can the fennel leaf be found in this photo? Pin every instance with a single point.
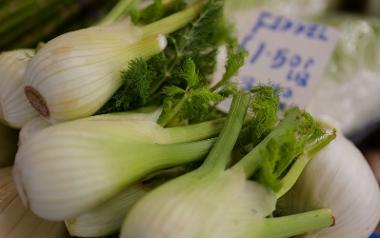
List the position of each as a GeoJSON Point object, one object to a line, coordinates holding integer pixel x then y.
{"type": "Point", "coordinates": [179, 77]}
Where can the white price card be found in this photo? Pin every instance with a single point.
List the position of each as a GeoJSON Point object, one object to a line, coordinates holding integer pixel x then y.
{"type": "Point", "coordinates": [287, 53]}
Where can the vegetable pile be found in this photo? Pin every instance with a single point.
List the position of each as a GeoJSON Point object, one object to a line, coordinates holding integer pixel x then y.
{"type": "Point", "coordinates": [121, 136]}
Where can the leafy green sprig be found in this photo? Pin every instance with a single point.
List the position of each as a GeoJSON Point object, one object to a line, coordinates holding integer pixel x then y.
{"type": "Point", "coordinates": [180, 76]}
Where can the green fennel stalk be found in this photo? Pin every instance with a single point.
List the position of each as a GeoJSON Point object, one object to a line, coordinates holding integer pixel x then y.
{"type": "Point", "coordinates": [214, 202]}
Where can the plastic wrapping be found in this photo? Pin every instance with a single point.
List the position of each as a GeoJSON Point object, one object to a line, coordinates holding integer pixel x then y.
{"type": "Point", "coordinates": [349, 92]}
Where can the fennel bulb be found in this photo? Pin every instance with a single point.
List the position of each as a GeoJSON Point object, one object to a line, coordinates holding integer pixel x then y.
{"type": "Point", "coordinates": [30, 128]}
{"type": "Point", "coordinates": [214, 202]}
{"type": "Point", "coordinates": [8, 145]}
{"type": "Point", "coordinates": [15, 109]}
{"type": "Point", "coordinates": [75, 74]}
{"type": "Point", "coordinates": [339, 178]}
{"type": "Point", "coordinates": [70, 168]}
{"type": "Point", "coordinates": [16, 221]}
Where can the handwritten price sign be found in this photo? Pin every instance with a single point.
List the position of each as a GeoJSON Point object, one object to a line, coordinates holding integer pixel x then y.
{"type": "Point", "coordinates": [287, 53]}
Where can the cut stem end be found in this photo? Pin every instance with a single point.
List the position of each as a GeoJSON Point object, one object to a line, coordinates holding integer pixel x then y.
{"type": "Point", "coordinates": [37, 101]}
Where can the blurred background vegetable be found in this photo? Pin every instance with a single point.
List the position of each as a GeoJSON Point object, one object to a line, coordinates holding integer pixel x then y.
{"type": "Point", "coordinates": [338, 178]}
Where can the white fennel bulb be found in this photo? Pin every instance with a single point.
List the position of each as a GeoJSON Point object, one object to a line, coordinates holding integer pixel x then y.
{"type": "Point", "coordinates": [15, 110]}
{"type": "Point", "coordinates": [70, 168]}
{"type": "Point", "coordinates": [338, 178]}
{"type": "Point", "coordinates": [75, 74]}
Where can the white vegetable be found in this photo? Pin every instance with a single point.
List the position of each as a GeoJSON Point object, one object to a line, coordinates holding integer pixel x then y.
{"type": "Point", "coordinates": [218, 202]}
{"type": "Point", "coordinates": [75, 74]}
{"type": "Point", "coordinates": [338, 178]}
{"type": "Point", "coordinates": [15, 110]}
{"type": "Point", "coordinates": [31, 128]}
{"type": "Point", "coordinates": [16, 221]}
{"type": "Point", "coordinates": [72, 167]}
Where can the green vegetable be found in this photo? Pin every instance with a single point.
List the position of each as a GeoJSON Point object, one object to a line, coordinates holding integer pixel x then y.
{"type": "Point", "coordinates": [179, 77]}
{"type": "Point", "coordinates": [15, 110]}
{"type": "Point", "coordinates": [214, 202]}
{"type": "Point", "coordinates": [70, 168]}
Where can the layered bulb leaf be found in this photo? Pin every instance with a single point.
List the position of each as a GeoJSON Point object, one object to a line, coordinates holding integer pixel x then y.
{"type": "Point", "coordinates": [339, 178]}
{"type": "Point", "coordinates": [214, 202]}
{"type": "Point", "coordinates": [18, 221]}
{"type": "Point", "coordinates": [70, 168]}
{"type": "Point", "coordinates": [348, 92]}
{"type": "Point", "coordinates": [15, 110]}
{"type": "Point", "coordinates": [75, 74]}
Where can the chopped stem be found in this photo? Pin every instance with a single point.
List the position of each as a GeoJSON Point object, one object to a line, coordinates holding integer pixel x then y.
{"type": "Point", "coordinates": [122, 7]}
{"type": "Point", "coordinates": [299, 165]}
{"type": "Point", "coordinates": [221, 151]}
{"type": "Point", "coordinates": [146, 47]}
{"type": "Point", "coordinates": [293, 225]}
{"type": "Point", "coordinates": [173, 22]}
